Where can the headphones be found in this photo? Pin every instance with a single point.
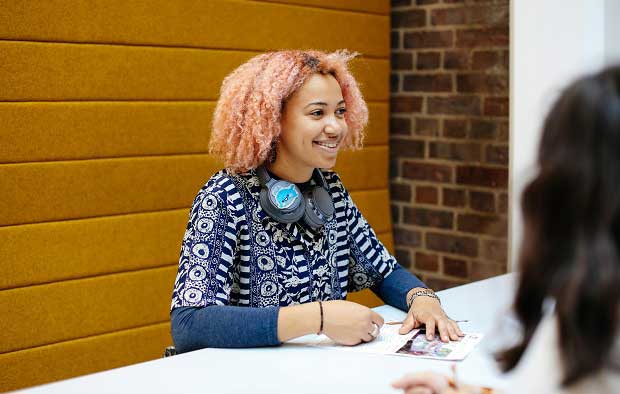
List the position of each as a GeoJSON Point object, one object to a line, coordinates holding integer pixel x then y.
{"type": "Point", "coordinates": [284, 202]}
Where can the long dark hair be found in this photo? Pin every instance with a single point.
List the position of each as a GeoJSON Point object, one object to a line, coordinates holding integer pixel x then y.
{"type": "Point", "coordinates": [571, 244]}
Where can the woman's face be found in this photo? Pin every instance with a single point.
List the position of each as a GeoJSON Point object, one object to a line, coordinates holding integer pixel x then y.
{"type": "Point", "coordinates": [313, 127]}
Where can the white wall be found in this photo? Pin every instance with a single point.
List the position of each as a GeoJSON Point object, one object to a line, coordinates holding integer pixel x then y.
{"type": "Point", "coordinates": [551, 43]}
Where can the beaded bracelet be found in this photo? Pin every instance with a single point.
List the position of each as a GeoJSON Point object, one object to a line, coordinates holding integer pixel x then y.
{"type": "Point", "coordinates": [422, 293]}
{"type": "Point", "coordinates": [321, 328]}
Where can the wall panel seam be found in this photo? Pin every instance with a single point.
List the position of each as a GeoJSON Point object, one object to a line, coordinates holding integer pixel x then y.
{"type": "Point", "coordinates": [167, 47]}
{"type": "Point", "coordinates": [161, 323]}
{"type": "Point", "coordinates": [175, 154]}
{"type": "Point", "coordinates": [347, 10]}
{"type": "Point", "coordinates": [155, 267]}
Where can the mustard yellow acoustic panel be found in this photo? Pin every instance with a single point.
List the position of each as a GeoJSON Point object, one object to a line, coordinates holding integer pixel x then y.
{"type": "Point", "coordinates": [106, 112]}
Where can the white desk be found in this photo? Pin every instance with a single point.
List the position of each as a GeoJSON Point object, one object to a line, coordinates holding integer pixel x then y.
{"type": "Point", "coordinates": [295, 369]}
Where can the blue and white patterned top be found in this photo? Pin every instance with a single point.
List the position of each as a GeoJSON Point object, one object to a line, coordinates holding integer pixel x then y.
{"type": "Point", "coordinates": [233, 253]}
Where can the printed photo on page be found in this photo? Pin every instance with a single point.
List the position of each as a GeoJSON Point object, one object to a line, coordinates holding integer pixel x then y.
{"type": "Point", "coordinates": [419, 346]}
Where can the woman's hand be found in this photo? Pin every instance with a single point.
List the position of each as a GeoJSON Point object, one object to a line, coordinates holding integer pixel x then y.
{"type": "Point", "coordinates": [349, 323]}
{"type": "Point", "coordinates": [424, 383]}
{"type": "Point", "coordinates": [428, 311]}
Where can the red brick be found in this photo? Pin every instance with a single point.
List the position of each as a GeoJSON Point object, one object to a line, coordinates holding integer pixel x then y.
{"type": "Point", "coordinates": [495, 250]}
{"type": "Point", "coordinates": [484, 60]}
{"type": "Point", "coordinates": [428, 83]}
{"type": "Point", "coordinates": [480, 270]}
{"type": "Point", "coordinates": [404, 148]}
{"type": "Point", "coordinates": [401, 60]}
{"type": "Point", "coordinates": [454, 105]}
{"type": "Point", "coordinates": [503, 203]}
{"type": "Point", "coordinates": [453, 197]}
{"type": "Point", "coordinates": [394, 83]}
{"type": "Point", "coordinates": [496, 15]}
{"type": "Point", "coordinates": [490, 225]}
{"type": "Point", "coordinates": [497, 154]}
{"type": "Point", "coordinates": [428, 39]}
{"type": "Point", "coordinates": [407, 237]}
{"type": "Point", "coordinates": [482, 83]}
{"type": "Point", "coordinates": [403, 257]}
{"type": "Point", "coordinates": [496, 106]}
{"type": "Point", "coordinates": [409, 18]}
{"type": "Point", "coordinates": [455, 267]}
{"type": "Point", "coordinates": [428, 217]}
{"type": "Point", "coordinates": [466, 246]}
{"type": "Point", "coordinates": [454, 151]}
{"type": "Point", "coordinates": [456, 60]}
{"type": "Point", "coordinates": [489, 37]}
{"type": "Point", "coordinates": [482, 129]}
{"type": "Point", "coordinates": [438, 284]}
{"type": "Point", "coordinates": [449, 16]}
{"type": "Point", "coordinates": [428, 60]}
{"type": "Point", "coordinates": [426, 262]}
{"type": "Point", "coordinates": [400, 126]}
{"type": "Point", "coordinates": [482, 176]}
{"type": "Point", "coordinates": [426, 195]}
{"type": "Point", "coordinates": [427, 127]}
{"type": "Point", "coordinates": [455, 128]}
{"type": "Point", "coordinates": [482, 201]}
{"type": "Point", "coordinates": [394, 39]}
{"type": "Point", "coordinates": [406, 104]}
{"type": "Point", "coordinates": [503, 131]}
{"type": "Point", "coordinates": [427, 172]}
{"type": "Point", "coordinates": [400, 192]}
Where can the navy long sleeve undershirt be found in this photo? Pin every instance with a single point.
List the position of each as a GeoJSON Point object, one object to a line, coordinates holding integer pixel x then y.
{"type": "Point", "coordinates": [227, 326]}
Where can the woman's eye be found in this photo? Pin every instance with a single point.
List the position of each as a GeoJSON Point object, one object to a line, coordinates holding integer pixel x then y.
{"type": "Point", "coordinates": [341, 111]}
{"type": "Point", "coordinates": [317, 112]}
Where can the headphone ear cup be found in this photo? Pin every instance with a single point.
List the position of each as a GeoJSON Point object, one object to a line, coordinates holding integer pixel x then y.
{"type": "Point", "coordinates": [319, 207]}
{"type": "Point", "coordinates": [276, 213]}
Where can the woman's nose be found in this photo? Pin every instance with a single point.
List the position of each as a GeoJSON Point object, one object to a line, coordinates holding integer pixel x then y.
{"type": "Point", "coordinates": [332, 127]}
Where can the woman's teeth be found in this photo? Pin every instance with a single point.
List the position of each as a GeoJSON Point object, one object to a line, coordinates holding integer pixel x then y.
{"type": "Point", "coordinates": [327, 144]}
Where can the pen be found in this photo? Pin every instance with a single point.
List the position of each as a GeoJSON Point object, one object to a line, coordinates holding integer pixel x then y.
{"type": "Point", "coordinates": [391, 323]}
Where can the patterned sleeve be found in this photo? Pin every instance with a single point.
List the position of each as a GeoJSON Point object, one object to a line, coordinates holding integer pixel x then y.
{"type": "Point", "coordinates": [369, 260]}
{"type": "Point", "coordinates": [205, 275]}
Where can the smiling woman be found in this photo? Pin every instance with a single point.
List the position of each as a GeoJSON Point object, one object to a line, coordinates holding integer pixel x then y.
{"type": "Point", "coordinates": [274, 242]}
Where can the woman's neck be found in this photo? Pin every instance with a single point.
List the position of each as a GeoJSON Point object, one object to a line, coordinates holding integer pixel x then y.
{"type": "Point", "coordinates": [291, 172]}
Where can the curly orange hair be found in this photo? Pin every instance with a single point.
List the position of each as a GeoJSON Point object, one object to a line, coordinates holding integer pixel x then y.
{"type": "Point", "coordinates": [246, 122]}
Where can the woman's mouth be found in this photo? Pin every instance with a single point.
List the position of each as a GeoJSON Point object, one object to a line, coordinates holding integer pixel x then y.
{"type": "Point", "coordinates": [331, 147]}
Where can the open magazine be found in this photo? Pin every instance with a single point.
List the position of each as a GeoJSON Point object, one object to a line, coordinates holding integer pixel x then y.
{"type": "Point", "coordinates": [413, 344]}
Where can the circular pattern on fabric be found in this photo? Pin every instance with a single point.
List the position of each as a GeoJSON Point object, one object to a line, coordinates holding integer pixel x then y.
{"type": "Point", "coordinates": [201, 250]}
{"type": "Point", "coordinates": [204, 225]}
{"type": "Point", "coordinates": [197, 273]}
{"type": "Point", "coordinates": [268, 288]}
{"type": "Point", "coordinates": [360, 278]}
{"type": "Point", "coordinates": [262, 238]}
{"type": "Point", "coordinates": [332, 236]}
{"type": "Point", "coordinates": [265, 263]}
{"type": "Point", "coordinates": [192, 295]}
{"type": "Point", "coordinates": [209, 202]}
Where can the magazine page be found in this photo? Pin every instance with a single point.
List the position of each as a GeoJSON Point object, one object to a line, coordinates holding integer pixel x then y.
{"type": "Point", "coordinates": [419, 346]}
{"type": "Point", "coordinates": [413, 344]}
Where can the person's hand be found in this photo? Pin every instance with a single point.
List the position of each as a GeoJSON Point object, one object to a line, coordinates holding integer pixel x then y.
{"type": "Point", "coordinates": [349, 323]}
{"type": "Point", "coordinates": [428, 311]}
{"type": "Point", "coordinates": [424, 383]}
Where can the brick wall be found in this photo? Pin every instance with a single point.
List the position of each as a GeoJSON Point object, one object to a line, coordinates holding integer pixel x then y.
{"type": "Point", "coordinates": [449, 138]}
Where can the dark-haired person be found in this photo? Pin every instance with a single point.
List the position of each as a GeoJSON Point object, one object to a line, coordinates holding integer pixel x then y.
{"type": "Point", "coordinates": [274, 241]}
{"type": "Point", "coordinates": [570, 255]}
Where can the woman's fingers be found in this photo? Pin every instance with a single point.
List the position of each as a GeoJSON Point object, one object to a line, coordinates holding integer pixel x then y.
{"type": "Point", "coordinates": [442, 327]}
{"type": "Point", "coordinates": [408, 325]}
{"type": "Point", "coordinates": [430, 328]}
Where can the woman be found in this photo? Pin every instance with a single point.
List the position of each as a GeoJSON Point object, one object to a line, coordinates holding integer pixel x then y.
{"type": "Point", "coordinates": [274, 242]}
{"type": "Point", "coordinates": [567, 301]}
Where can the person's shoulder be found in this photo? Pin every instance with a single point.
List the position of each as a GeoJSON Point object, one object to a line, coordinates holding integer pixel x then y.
{"type": "Point", "coordinates": [221, 185]}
